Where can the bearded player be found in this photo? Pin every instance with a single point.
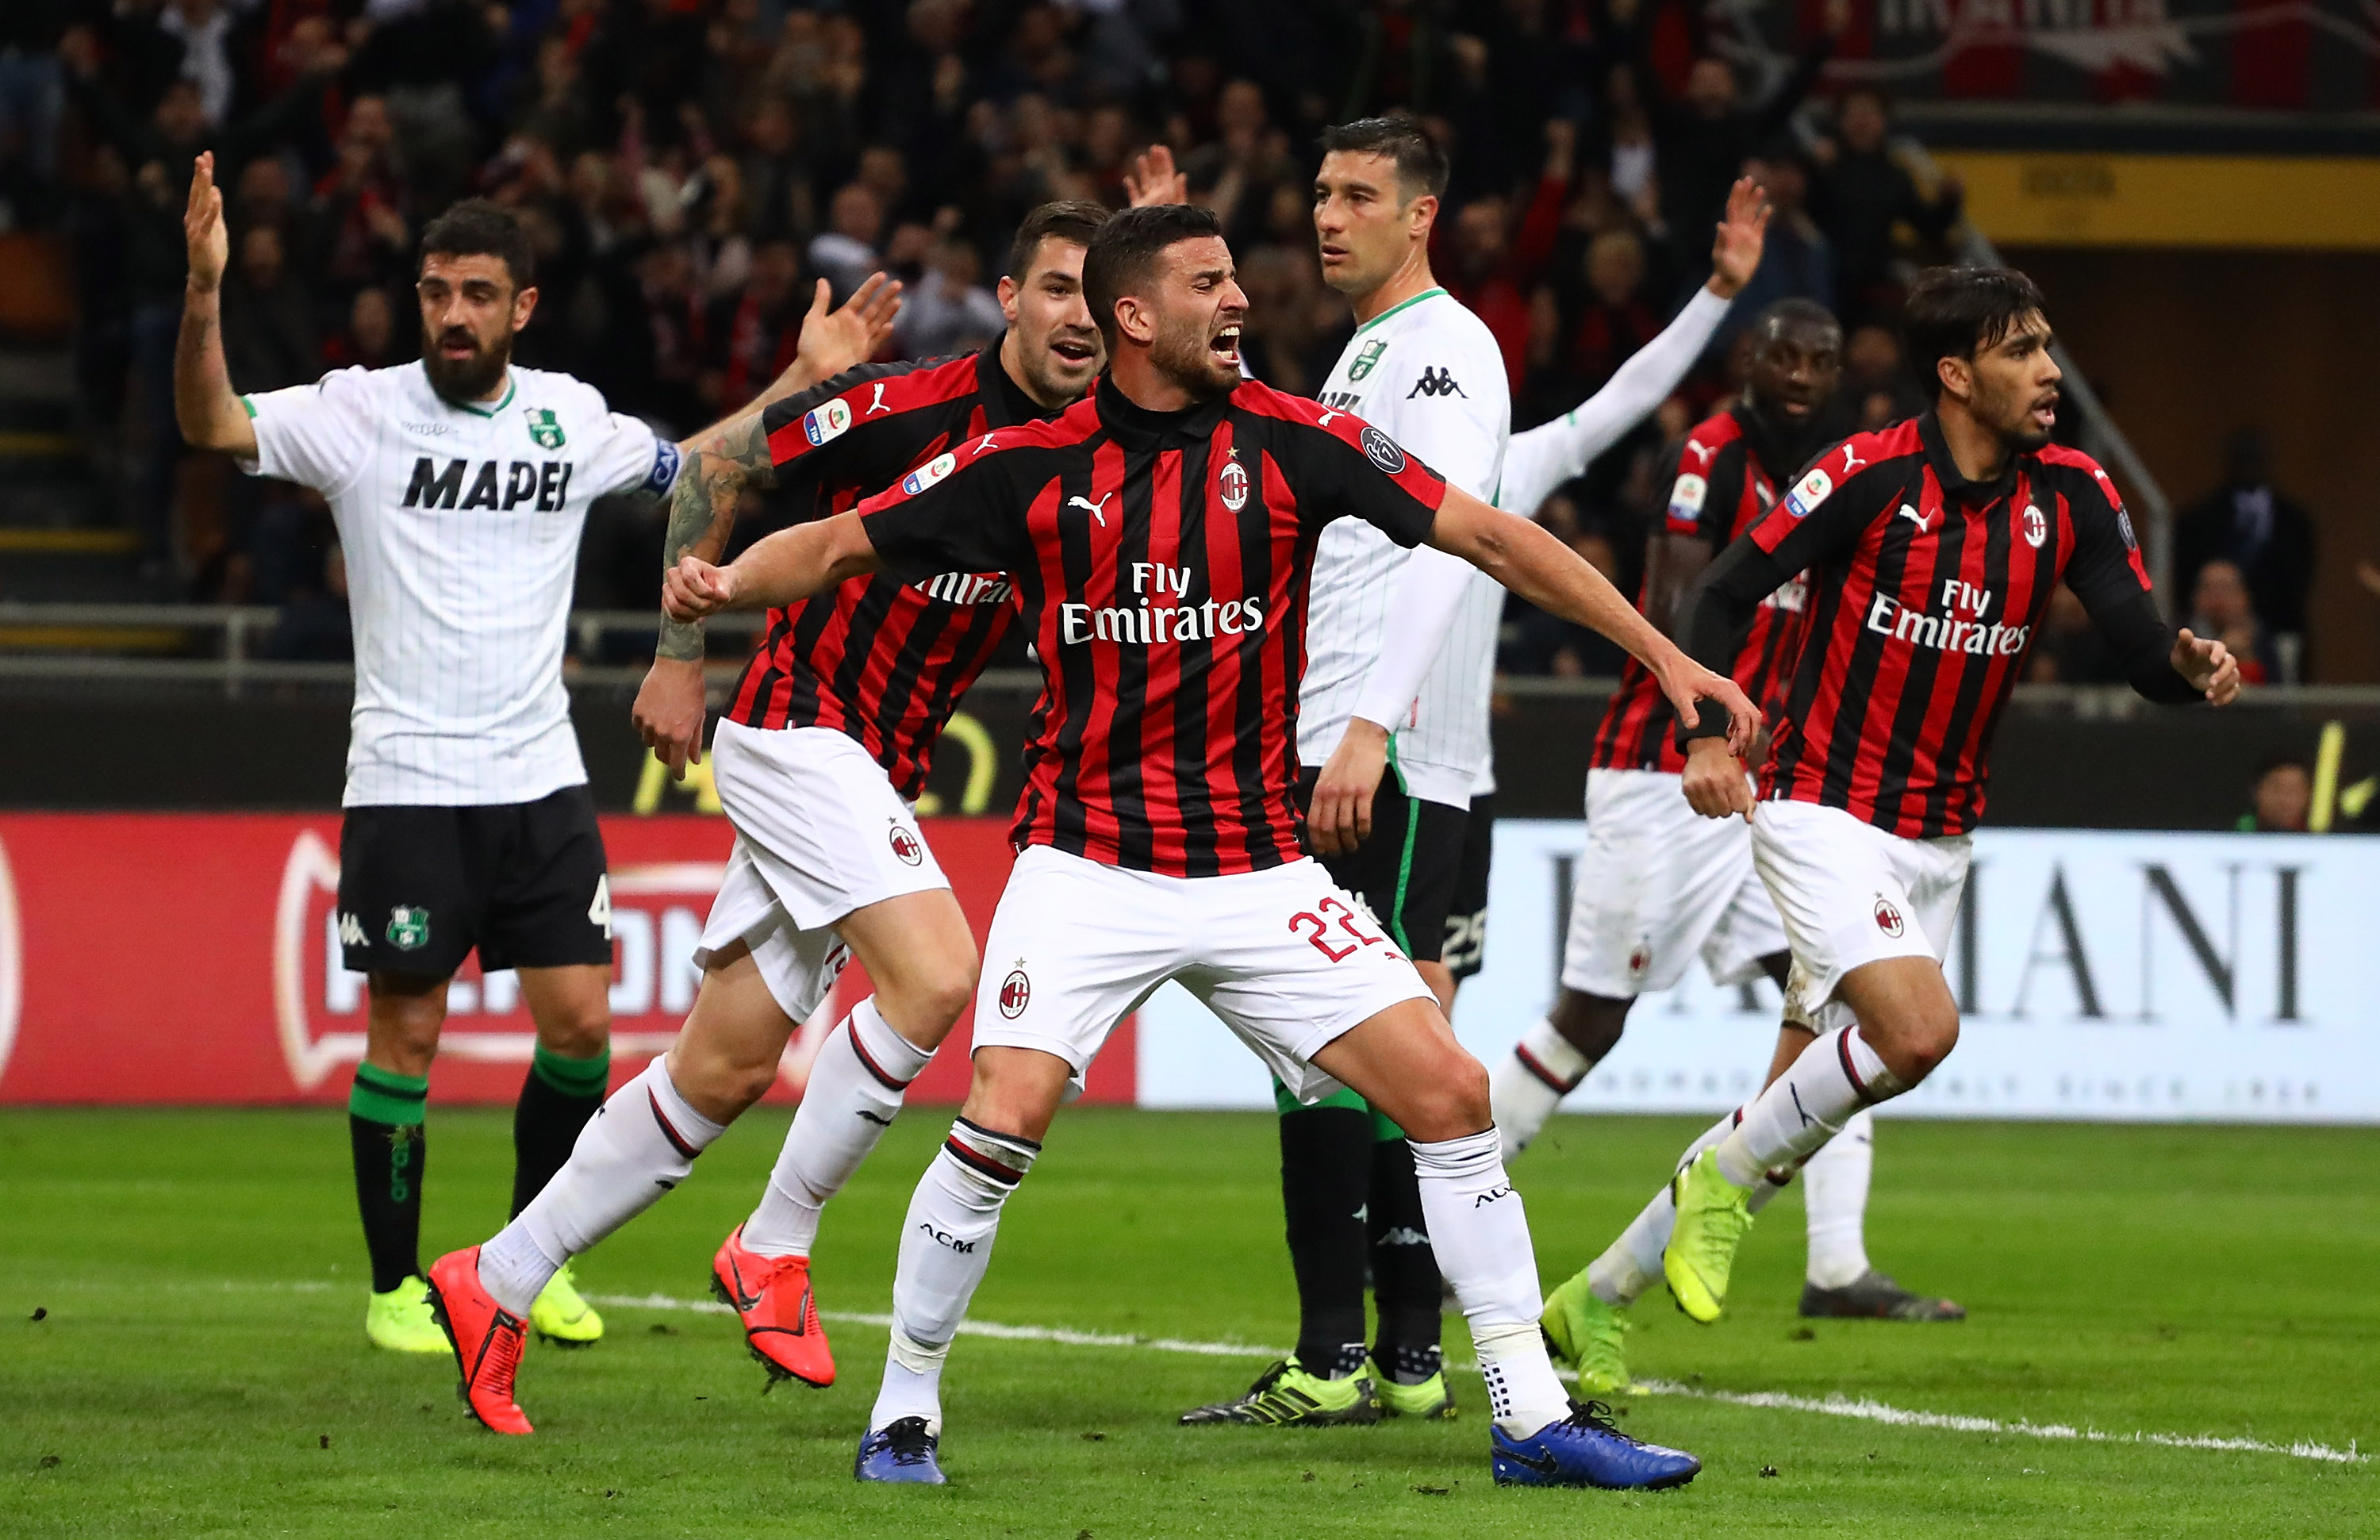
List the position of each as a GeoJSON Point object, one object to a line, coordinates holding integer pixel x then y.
{"type": "Point", "coordinates": [1931, 551]}
{"type": "Point", "coordinates": [459, 484]}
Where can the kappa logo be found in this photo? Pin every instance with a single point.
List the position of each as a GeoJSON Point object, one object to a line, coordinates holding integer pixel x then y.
{"type": "Point", "coordinates": [544, 430]}
{"type": "Point", "coordinates": [1807, 493]}
{"type": "Point", "coordinates": [1016, 992]}
{"type": "Point", "coordinates": [1232, 485]}
{"type": "Point", "coordinates": [1382, 451]}
{"type": "Point", "coordinates": [1097, 509]}
{"type": "Point", "coordinates": [1888, 918]}
{"type": "Point", "coordinates": [1925, 525]}
{"type": "Point", "coordinates": [408, 928]}
{"type": "Point", "coordinates": [827, 422]}
{"type": "Point", "coordinates": [876, 403]}
{"type": "Point", "coordinates": [1436, 382]}
{"type": "Point", "coordinates": [351, 930]}
{"type": "Point", "coordinates": [2036, 526]}
{"type": "Point", "coordinates": [927, 474]}
{"type": "Point", "coordinates": [906, 846]}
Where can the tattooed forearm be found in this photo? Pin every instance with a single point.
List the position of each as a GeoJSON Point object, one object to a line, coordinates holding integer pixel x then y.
{"type": "Point", "coordinates": [720, 465]}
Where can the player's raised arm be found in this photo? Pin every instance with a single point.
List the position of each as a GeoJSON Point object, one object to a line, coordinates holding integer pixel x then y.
{"type": "Point", "coordinates": [205, 406]}
{"type": "Point", "coordinates": [789, 566]}
{"type": "Point", "coordinates": [1530, 561]}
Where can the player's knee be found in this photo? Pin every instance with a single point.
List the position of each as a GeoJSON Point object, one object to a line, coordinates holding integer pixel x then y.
{"type": "Point", "coordinates": [1453, 1102]}
{"type": "Point", "coordinates": [580, 1031]}
{"type": "Point", "coordinates": [1919, 1041]}
{"type": "Point", "coordinates": [719, 1086]}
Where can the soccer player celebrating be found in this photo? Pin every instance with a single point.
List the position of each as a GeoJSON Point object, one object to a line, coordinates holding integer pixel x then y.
{"type": "Point", "coordinates": [457, 489]}
{"type": "Point", "coordinates": [827, 742]}
{"type": "Point", "coordinates": [1391, 810]}
{"type": "Point", "coordinates": [1931, 551]}
{"type": "Point", "coordinates": [1658, 885]}
{"type": "Point", "coordinates": [1160, 536]}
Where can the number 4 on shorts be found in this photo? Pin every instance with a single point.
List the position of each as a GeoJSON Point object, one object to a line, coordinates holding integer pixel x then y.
{"type": "Point", "coordinates": [600, 912]}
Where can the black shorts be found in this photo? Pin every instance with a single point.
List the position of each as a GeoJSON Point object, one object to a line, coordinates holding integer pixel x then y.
{"type": "Point", "coordinates": [1408, 872]}
{"type": "Point", "coordinates": [1466, 921]}
{"type": "Point", "coordinates": [524, 882]}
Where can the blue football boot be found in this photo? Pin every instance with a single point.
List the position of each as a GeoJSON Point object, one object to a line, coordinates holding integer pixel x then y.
{"type": "Point", "coordinates": [901, 1452]}
{"type": "Point", "coordinates": [1584, 1449]}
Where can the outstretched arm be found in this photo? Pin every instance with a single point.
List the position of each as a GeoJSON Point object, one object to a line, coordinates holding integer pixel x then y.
{"type": "Point", "coordinates": [1532, 563]}
{"type": "Point", "coordinates": [205, 406]}
{"type": "Point", "coordinates": [789, 566]}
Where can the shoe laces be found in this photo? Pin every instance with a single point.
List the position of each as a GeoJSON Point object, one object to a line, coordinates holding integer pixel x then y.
{"type": "Point", "coordinates": [908, 1442]}
{"type": "Point", "coordinates": [1595, 1416]}
{"type": "Point", "coordinates": [1269, 1378]}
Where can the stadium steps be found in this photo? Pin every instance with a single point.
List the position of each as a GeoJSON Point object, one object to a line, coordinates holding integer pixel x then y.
{"type": "Point", "coordinates": [59, 535]}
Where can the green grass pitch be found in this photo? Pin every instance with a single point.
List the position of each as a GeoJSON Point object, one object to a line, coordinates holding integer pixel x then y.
{"type": "Point", "coordinates": [202, 1368]}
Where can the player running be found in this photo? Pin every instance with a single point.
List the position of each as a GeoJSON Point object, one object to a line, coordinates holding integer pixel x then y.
{"type": "Point", "coordinates": [1160, 536]}
{"type": "Point", "coordinates": [459, 485]}
{"type": "Point", "coordinates": [1392, 811]}
{"type": "Point", "coordinates": [817, 760]}
{"type": "Point", "coordinates": [1932, 549]}
{"type": "Point", "coordinates": [1658, 886]}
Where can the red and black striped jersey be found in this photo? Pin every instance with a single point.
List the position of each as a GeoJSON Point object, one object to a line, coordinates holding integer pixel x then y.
{"type": "Point", "coordinates": [1925, 592]}
{"type": "Point", "coordinates": [1161, 561]}
{"type": "Point", "coordinates": [882, 661]}
{"type": "Point", "coordinates": [1728, 473]}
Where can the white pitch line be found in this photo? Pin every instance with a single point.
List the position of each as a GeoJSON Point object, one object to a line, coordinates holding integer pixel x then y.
{"type": "Point", "coordinates": [1860, 1409]}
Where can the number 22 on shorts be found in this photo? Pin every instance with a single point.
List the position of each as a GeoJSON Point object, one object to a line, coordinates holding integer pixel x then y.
{"type": "Point", "coordinates": [1316, 928]}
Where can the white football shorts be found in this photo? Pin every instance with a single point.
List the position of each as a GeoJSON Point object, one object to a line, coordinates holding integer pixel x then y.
{"type": "Point", "coordinates": [1285, 956]}
{"type": "Point", "coordinates": [820, 833]}
{"type": "Point", "coordinates": [1658, 885]}
{"type": "Point", "coordinates": [1852, 894]}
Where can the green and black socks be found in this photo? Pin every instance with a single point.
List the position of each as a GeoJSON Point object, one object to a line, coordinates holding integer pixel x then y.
{"type": "Point", "coordinates": [384, 1125]}
{"type": "Point", "coordinates": [557, 1099]}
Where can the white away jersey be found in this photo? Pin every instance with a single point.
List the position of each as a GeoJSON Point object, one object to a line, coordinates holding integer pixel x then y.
{"type": "Point", "coordinates": [460, 525]}
{"type": "Point", "coordinates": [1427, 373]}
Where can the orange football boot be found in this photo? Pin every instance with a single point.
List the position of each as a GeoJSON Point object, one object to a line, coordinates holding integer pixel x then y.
{"type": "Point", "coordinates": [488, 1341]}
{"type": "Point", "coordinates": [772, 1295]}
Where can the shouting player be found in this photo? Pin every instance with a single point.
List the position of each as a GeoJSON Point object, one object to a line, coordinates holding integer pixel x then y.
{"type": "Point", "coordinates": [817, 762]}
{"type": "Point", "coordinates": [459, 485]}
{"type": "Point", "coordinates": [1658, 886]}
{"type": "Point", "coordinates": [1391, 806]}
{"type": "Point", "coordinates": [1160, 536]}
{"type": "Point", "coordinates": [1931, 551]}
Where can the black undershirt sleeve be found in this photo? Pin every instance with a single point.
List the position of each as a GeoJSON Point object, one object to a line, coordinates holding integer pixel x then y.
{"type": "Point", "coordinates": [2139, 638]}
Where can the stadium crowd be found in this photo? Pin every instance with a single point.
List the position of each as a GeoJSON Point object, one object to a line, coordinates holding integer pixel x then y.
{"type": "Point", "coordinates": [689, 168]}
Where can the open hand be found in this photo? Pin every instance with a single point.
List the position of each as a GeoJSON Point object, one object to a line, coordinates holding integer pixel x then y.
{"type": "Point", "coordinates": [1735, 253]}
{"type": "Point", "coordinates": [694, 590]}
{"type": "Point", "coordinates": [1339, 818]}
{"type": "Point", "coordinates": [847, 336]}
{"type": "Point", "coordinates": [2208, 665]}
{"type": "Point", "coordinates": [669, 712]}
{"type": "Point", "coordinates": [203, 227]}
{"type": "Point", "coordinates": [1153, 179]}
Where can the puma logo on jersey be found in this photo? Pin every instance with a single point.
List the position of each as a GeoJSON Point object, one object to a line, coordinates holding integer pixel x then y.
{"type": "Point", "coordinates": [1325, 419]}
{"type": "Point", "coordinates": [1925, 525]}
{"type": "Point", "coordinates": [876, 403]}
{"type": "Point", "coordinates": [1852, 460]}
{"type": "Point", "coordinates": [1702, 452]}
{"type": "Point", "coordinates": [1097, 509]}
{"type": "Point", "coordinates": [547, 482]}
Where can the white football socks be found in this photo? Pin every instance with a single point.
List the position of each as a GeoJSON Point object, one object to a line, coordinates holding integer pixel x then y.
{"type": "Point", "coordinates": [1529, 1083]}
{"type": "Point", "coordinates": [854, 1093]}
{"type": "Point", "coordinates": [945, 1246]}
{"type": "Point", "coordinates": [1807, 1106]}
{"type": "Point", "coordinates": [1480, 1230]}
{"type": "Point", "coordinates": [639, 1145]}
{"type": "Point", "coordinates": [1835, 1183]}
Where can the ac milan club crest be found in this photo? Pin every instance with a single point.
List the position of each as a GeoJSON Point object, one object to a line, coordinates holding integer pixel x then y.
{"type": "Point", "coordinates": [1232, 485]}
{"type": "Point", "coordinates": [1016, 992]}
{"type": "Point", "coordinates": [1888, 918]}
{"type": "Point", "coordinates": [1640, 958]}
{"type": "Point", "coordinates": [907, 846]}
{"type": "Point", "coordinates": [2036, 526]}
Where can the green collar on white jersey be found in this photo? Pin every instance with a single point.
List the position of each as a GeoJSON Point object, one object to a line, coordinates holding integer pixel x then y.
{"type": "Point", "coordinates": [512, 387]}
{"type": "Point", "coordinates": [1401, 305]}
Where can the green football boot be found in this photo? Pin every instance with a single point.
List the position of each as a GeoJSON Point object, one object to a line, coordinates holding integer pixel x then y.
{"type": "Point", "coordinates": [1287, 1396]}
{"type": "Point", "coordinates": [1712, 1219]}
{"type": "Point", "coordinates": [400, 1320]}
{"type": "Point", "coordinates": [1430, 1399]}
{"type": "Point", "coordinates": [561, 1316]}
{"type": "Point", "coordinates": [1584, 1333]}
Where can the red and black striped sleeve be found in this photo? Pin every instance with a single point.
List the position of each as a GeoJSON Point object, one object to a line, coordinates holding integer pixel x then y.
{"type": "Point", "coordinates": [2108, 575]}
{"type": "Point", "coordinates": [861, 430]}
{"type": "Point", "coordinates": [1825, 516]}
{"type": "Point", "coordinates": [961, 511]}
{"type": "Point", "coordinates": [1339, 464]}
{"type": "Point", "coordinates": [1707, 485]}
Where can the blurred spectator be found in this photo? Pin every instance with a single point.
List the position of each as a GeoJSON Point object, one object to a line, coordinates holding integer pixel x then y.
{"type": "Point", "coordinates": [1861, 194]}
{"type": "Point", "coordinates": [1493, 269]}
{"type": "Point", "coordinates": [760, 328]}
{"type": "Point", "coordinates": [950, 312]}
{"type": "Point", "coordinates": [314, 626]}
{"type": "Point", "coordinates": [1876, 390]}
{"type": "Point", "coordinates": [1537, 643]}
{"type": "Point", "coordinates": [2070, 649]}
{"type": "Point", "coordinates": [268, 316]}
{"type": "Point", "coordinates": [370, 338]}
{"type": "Point", "coordinates": [844, 254]}
{"type": "Point", "coordinates": [2266, 539]}
{"type": "Point", "coordinates": [1797, 262]}
{"type": "Point", "coordinates": [2220, 607]}
{"type": "Point", "coordinates": [2279, 796]}
{"type": "Point", "coordinates": [30, 98]}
